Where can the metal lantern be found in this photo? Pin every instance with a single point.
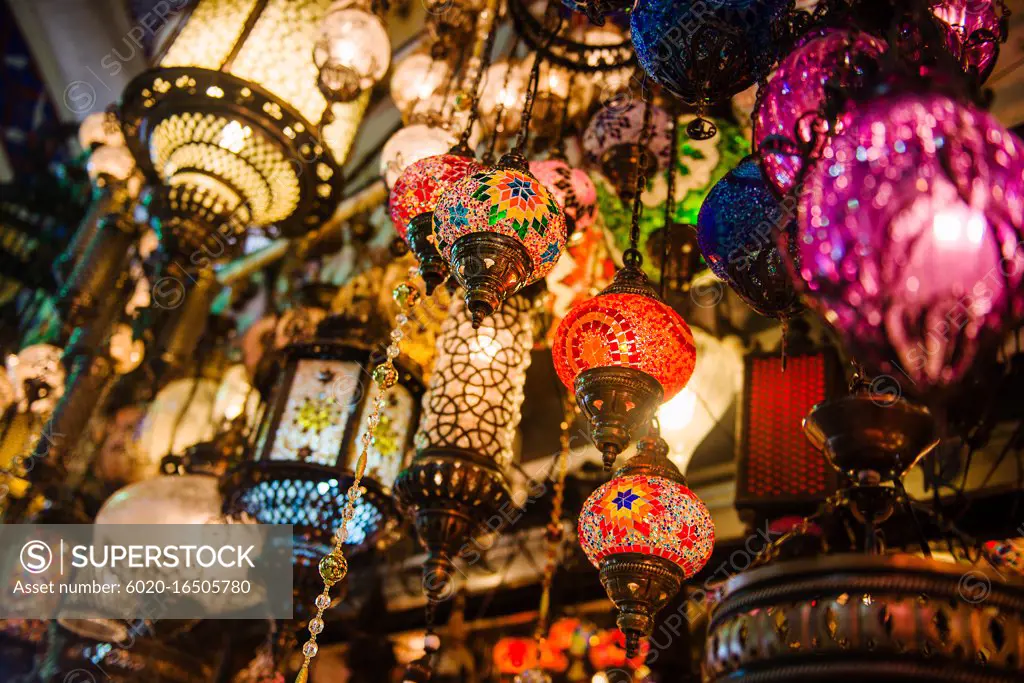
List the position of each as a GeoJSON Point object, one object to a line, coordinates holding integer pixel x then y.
{"type": "Point", "coordinates": [846, 617]}
{"type": "Point", "coordinates": [230, 128]}
{"type": "Point", "coordinates": [456, 482]}
{"type": "Point", "coordinates": [307, 445]}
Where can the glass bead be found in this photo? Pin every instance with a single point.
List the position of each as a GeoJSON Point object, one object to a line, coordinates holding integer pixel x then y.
{"type": "Point", "coordinates": [406, 295]}
{"type": "Point", "coordinates": [333, 568]}
{"type": "Point", "coordinates": [316, 625]}
{"type": "Point", "coordinates": [385, 376]}
{"type": "Point", "coordinates": [402, 319]}
{"type": "Point", "coordinates": [310, 649]}
{"type": "Point", "coordinates": [322, 601]}
{"type": "Point", "coordinates": [393, 351]}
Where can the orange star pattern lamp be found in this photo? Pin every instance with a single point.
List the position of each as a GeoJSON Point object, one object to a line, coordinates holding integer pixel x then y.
{"type": "Point", "coordinates": [623, 353]}
{"type": "Point", "coordinates": [647, 533]}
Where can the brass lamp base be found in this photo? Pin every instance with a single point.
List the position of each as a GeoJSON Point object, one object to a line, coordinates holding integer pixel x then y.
{"type": "Point", "coordinates": [856, 617]}
{"type": "Point", "coordinates": [639, 585]}
{"type": "Point", "coordinates": [420, 236]}
{"type": "Point", "coordinates": [491, 267]}
{"type": "Point", "coordinates": [617, 401]}
{"type": "Point", "coordinates": [869, 436]}
{"type": "Point", "coordinates": [455, 496]}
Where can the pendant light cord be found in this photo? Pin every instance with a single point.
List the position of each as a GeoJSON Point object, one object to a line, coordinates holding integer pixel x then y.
{"type": "Point", "coordinates": [484, 59]}
{"type": "Point", "coordinates": [632, 255]}
{"type": "Point", "coordinates": [670, 202]}
{"type": "Point", "coordinates": [531, 91]}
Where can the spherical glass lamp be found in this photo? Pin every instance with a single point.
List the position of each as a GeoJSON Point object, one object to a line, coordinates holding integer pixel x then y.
{"type": "Point", "coordinates": [353, 52]}
{"type": "Point", "coordinates": [707, 52]}
{"type": "Point", "coordinates": [736, 230]}
{"type": "Point", "coordinates": [502, 95]}
{"type": "Point", "coordinates": [110, 161]}
{"type": "Point", "coordinates": [623, 353]}
{"type": "Point", "coordinates": [413, 200]}
{"type": "Point", "coordinates": [909, 238]}
{"type": "Point", "coordinates": [410, 144]}
{"type": "Point", "coordinates": [647, 533]}
{"type": "Point", "coordinates": [100, 128]}
{"type": "Point", "coordinates": [571, 188]}
{"type": "Point", "coordinates": [37, 376]}
{"type": "Point", "coordinates": [416, 79]}
{"type": "Point", "coordinates": [499, 230]}
{"type": "Point", "coordinates": [615, 138]}
{"type": "Point", "coordinates": [790, 121]}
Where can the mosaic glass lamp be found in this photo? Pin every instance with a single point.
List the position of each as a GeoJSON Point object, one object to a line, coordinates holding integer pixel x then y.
{"type": "Point", "coordinates": [647, 533]}
{"type": "Point", "coordinates": [616, 142]}
{"type": "Point", "coordinates": [307, 446]}
{"type": "Point", "coordinates": [499, 230]}
{"type": "Point", "coordinates": [414, 197]}
{"type": "Point", "coordinates": [572, 189]}
{"type": "Point", "coordinates": [623, 352]}
{"type": "Point", "coordinates": [973, 30]}
{"type": "Point", "coordinates": [230, 131]}
{"type": "Point", "coordinates": [456, 482]}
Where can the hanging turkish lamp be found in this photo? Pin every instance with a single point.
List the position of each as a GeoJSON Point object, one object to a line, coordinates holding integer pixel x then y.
{"type": "Point", "coordinates": [231, 130]}
{"type": "Point", "coordinates": [706, 52]}
{"type": "Point", "coordinates": [416, 79]}
{"type": "Point", "coordinates": [414, 198]}
{"type": "Point", "coordinates": [410, 144]}
{"type": "Point", "coordinates": [791, 121]}
{"type": "Point", "coordinates": [416, 192]}
{"type": "Point", "coordinates": [647, 533]}
{"type": "Point", "coordinates": [500, 229]}
{"type": "Point", "coordinates": [922, 276]}
{"type": "Point", "coordinates": [353, 52]}
{"type": "Point", "coordinates": [615, 140]}
{"type": "Point", "coordinates": [570, 187]}
{"type": "Point", "coordinates": [973, 31]}
{"type": "Point", "coordinates": [597, 10]}
{"type": "Point", "coordinates": [623, 352]}
{"type": "Point", "coordinates": [457, 480]}
{"type": "Point", "coordinates": [736, 231]}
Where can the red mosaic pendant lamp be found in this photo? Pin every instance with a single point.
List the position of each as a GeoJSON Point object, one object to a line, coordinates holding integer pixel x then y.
{"type": "Point", "coordinates": [624, 352]}
{"type": "Point", "coordinates": [647, 533]}
{"type": "Point", "coordinates": [413, 200]}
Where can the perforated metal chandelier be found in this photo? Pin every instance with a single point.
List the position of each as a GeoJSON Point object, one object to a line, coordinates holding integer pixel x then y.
{"type": "Point", "coordinates": [231, 129]}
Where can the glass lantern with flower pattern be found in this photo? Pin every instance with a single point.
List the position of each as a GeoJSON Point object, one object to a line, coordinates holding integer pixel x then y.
{"type": "Point", "coordinates": [308, 442]}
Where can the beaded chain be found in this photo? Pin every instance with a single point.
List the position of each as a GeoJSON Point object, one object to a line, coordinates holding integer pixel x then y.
{"type": "Point", "coordinates": [334, 567]}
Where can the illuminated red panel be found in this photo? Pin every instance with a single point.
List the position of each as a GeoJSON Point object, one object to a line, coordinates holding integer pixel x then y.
{"type": "Point", "coordinates": [779, 471]}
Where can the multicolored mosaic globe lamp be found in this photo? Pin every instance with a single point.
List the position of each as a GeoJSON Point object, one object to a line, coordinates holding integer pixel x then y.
{"type": "Point", "coordinates": [308, 442]}
{"type": "Point", "coordinates": [647, 533]}
{"type": "Point", "coordinates": [230, 133]}
{"type": "Point", "coordinates": [499, 230]}
{"type": "Point", "coordinates": [414, 198]}
{"type": "Point", "coordinates": [572, 190]}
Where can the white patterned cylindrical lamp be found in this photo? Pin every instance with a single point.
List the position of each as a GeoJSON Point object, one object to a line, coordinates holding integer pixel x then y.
{"type": "Point", "coordinates": [456, 484]}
